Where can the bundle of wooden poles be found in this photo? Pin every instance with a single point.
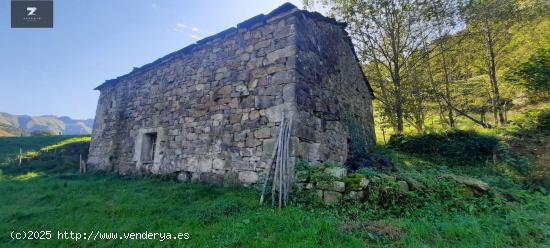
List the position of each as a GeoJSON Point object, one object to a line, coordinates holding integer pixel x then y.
{"type": "Point", "coordinates": [281, 175]}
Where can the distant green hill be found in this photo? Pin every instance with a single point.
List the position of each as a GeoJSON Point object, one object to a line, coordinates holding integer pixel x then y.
{"type": "Point", "coordinates": [18, 125]}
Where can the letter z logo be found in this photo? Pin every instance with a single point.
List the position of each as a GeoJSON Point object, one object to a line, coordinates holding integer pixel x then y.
{"type": "Point", "coordinates": [31, 14]}
{"type": "Point", "coordinates": [31, 11]}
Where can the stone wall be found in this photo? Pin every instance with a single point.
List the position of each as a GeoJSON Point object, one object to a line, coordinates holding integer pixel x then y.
{"type": "Point", "coordinates": [332, 92]}
{"type": "Point", "coordinates": [334, 184]}
{"type": "Point", "coordinates": [214, 108]}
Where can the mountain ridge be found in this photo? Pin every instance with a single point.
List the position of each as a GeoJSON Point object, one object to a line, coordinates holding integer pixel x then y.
{"type": "Point", "coordinates": [22, 125]}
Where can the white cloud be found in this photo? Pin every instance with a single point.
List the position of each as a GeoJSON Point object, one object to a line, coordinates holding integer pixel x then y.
{"type": "Point", "coordinates": [180, 27]}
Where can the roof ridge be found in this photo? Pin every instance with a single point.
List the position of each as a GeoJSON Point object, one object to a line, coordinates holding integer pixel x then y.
{"type": "Point", "coordinates": [250, 22]}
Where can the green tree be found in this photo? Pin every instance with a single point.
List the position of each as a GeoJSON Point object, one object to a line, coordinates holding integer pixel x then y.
{"type": "Point", "coordinates": [489, 22]}
{"type": "Point", "coordinates": [534, 74]}
{"type": "Point", "coordinates": [390, 36]}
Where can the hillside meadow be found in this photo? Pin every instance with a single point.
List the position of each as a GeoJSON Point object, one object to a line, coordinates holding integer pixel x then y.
{"type": "Point", "coordinates": [47, 193]}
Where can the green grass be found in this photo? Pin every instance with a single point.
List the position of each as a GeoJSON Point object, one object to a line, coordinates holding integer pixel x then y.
{"type": "Point", "coordinates": [47, 193]}
{"type": "Point", "coordinates": [432, 122]}
{"type": "Point", "coordinates": [11, 146]}
{"type": "Point", "coordinates": [212, 216]}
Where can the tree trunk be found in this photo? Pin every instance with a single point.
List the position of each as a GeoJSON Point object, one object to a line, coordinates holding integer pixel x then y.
{"type": "Point", "coordinates": [495, 99]}
{"type": "Point", "coordinates": [419, 125]}
{"type": "Point", "coordinates": [383, 133]}
{"type": "Point", "coordinates": [448, 92]}
{"type": "Point", "coordinates": [440, 110]}
{"type": "Point", "coordinates": [505, 112]}
{"type": "Point", "coordinates": [398, 97]}
{"type": "Point", "coordinates": [494, 104]}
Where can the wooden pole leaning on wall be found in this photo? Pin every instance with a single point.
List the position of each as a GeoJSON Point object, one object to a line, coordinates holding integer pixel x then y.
{"type": "Point", "coordinates": [280, 157]}
{"type": "Point", "coordinates": [269, 166]}
{"type": "Point", "coordinates": [286, 163]}
{"type": "Point", "coordinates": [280, 167]}
{"type": "Point", "coordinates": [82, 165]}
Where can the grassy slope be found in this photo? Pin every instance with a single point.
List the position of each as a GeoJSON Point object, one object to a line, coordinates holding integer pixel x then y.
{"type": "Point", "coordinates": [10, 146]}
{"type": "Point", "coordinates": [40, 196]}
{"type": "Point", "coordinates": [521, 221]}
{"type": "Point", "coordinates": [214, 216]}
{"type": "Point", "coordinates": [432, 122]}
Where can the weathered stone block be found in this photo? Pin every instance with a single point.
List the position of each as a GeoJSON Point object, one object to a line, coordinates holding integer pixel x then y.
{"type": "Point", "coordinates": [278, 54]}
{"type": "Point", "coordinates": [414, 184]}
{"type": "Point", "coordinates": [212, 178]}
{"type": "Point", "coordinates": [262, 133]}
{"type": "Point", "coordinates": [218, 164]}
{"type": "Point", "coordinates": [205, 165]}
{"type": "Point", "coordinates": [356, 195]}
{"type": "Point", "coordinates": [337, 172]}
{"type": "Point", "coordinates": [254, 115]}
{"type": "Point", "coordinates": [248, 177]}
{"type": "Point", "coordinates": [268, 146]}
{"type": "Point", "coordinates": [252, 142]}
{"type": "Point", "coordinates": [264, 101]}
{"type": "Point", "coordinates": [403, 185]}
{"type": "Point", "coordinates": [469, 181]}
{"type": "Point", "coordinates": [274, 114]}
{"type": "Point", "coordinates": [195, 176]}
{"type": "Point", "coordinates": [235, 118]}
{"type": "Point", "coordinates": [364, 183]}
{"type": "Point", "coordinates": [331, 197]}
{"type": "Point", "coordinates": [337, 186]}
{"type": "Point", "coordinates": [319, 193]}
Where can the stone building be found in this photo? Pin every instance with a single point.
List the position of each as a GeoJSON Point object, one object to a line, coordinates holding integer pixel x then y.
{"type": "Point", "coordinates": [211, 111]}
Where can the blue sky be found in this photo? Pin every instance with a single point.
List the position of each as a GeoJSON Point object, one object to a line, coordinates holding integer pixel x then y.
{"type": "Point", "coordinates": [54, 71]}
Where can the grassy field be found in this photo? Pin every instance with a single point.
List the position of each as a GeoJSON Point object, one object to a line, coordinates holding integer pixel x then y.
{"type": "Point", "coordinates": [433, 123]}
{"type": "Point", "coordinates": [47, 193]}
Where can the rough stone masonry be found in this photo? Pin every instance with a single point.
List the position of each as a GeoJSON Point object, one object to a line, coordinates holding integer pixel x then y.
{"type": "Point", "coordinates": [211, 111]}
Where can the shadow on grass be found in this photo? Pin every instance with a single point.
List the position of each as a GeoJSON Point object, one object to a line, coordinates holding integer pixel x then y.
{"type": "Point", "coordinates": [60, 155]}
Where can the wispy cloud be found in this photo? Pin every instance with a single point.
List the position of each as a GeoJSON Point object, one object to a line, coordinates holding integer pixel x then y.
{"type": "Point", "coordinates": [180, 27]}
{"type": "Point", "coordinates": [194, 32]}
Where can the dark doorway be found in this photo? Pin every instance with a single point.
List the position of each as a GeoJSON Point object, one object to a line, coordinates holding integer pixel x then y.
{"type": "Point", "coordinates": [149, 147]}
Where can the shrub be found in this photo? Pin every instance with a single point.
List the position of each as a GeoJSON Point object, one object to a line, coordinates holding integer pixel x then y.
{"type": "Point", "coordinates": [534, 120]}
{"type": "Point", "coordinates": [456, 146]}
{"type": "Point", "coordinates": [534, 74]}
